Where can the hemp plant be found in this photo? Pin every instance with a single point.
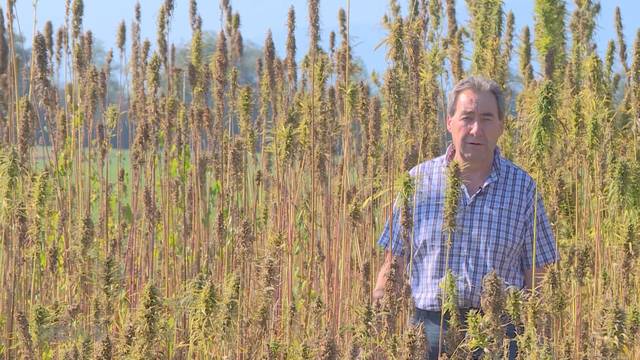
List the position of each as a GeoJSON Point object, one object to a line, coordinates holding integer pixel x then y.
{"type": "Point", "coordinates": [452, 195]}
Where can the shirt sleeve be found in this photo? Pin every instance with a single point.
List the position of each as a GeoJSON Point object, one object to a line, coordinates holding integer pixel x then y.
{"type": "Point", "coordinates": [545, 244]}
{"type": "Point", "coordinates": [390, 236]}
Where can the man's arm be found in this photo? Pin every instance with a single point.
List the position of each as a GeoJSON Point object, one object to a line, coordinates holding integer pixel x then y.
{"type": "Point", "coordinates": [544, 253]}
{"type": "Point", "coordinates": [385, 269]}
{"type": "Point", "coordinates": [381, 281]}
{"type": "Point", "coordinates": [528, 276]}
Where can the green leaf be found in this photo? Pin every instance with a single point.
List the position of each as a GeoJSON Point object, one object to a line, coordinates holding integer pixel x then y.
{"type": "Point", "coordinates": [78, 119]}
{"type": "Point", "coordinates": [47, 354]}
{"type": "Point", "coordinates": [173, 167]}
{"type": "Point", "coordinates": [127, 213]}
{"type": "Point", "coordinates": [216, 187]}
{"type": "Point", "coordinates": [172, 240]}
{"type": "Point", "coordinates": [43, 259]}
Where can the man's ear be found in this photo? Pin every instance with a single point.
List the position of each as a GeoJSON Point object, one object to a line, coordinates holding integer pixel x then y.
{"type": "Point", "coordinates": [448, 123]}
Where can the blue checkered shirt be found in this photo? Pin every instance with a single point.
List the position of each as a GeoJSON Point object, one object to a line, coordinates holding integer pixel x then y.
{"type": "Point", "coordinates": [494, 231]}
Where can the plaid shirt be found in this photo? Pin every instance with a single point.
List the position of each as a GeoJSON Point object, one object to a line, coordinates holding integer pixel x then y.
{"type": "Point", "coordinates": [494, 232]}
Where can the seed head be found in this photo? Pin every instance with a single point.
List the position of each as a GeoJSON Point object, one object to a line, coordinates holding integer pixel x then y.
{"type": "Point", "coordinates": [492, 300]}
{"type": "Point", "coordinates": [373, 133]}
{"type": "Point", "coordinates": [236, 162]}
{"type": "Point", "coordinates": [230, 297]}
{"type": "Point", "coordinates": [449, 291]}
{"type": "Point", "coordinates": [246, 125]}
{"type": "Point", "coordinates": [137, 12]}
{"type": "Point", "coordinates": [148, 325]}
{"type": "Point", "coordinates": [342, 23]}
{"type": "Point", "coordinates": [314, 26]}
{"type": "Point", "coordinates": [169, 6]}
{"type": "Point", "coordinates": [26, 123]}
{"type": "Point", "coordinates": [24, 240]}
{"type": "Point", "coordinates": [87, 45]}
{"type": "Point", "coordinates": [237, 43]}
{"type": "Point", "coordinates": [622, 46]}
{"type": "Point", "coordinates": [209, 298]}
{"type": "Point", "coordinates": [48, 36]}
{"type": "Point", "coordinates": [53, 256]}
{"type": "Point", "coordinates": [162, 33]}
{"type": "Point", "coordinates": [614, 331]}
{"type": "Point", "coordinates": [553, 291]}
{"type": "Point", "coordinates": [415, 343]}
{"type": "Point", "coordinates": [269, 59]}
{"type": "Point", "coordinates": [452, 196]}
{"type": "Point", "coordinates": [77, 12]}
{"type": "Point", "coordinates": [221, 229]}
{"type": "Point", "coordinates": [545, 114]}
{"type": "Point", "coordinates": [634, 323]}
{"type": "Point", "coordinates": [513, 305]}
{"type": "Point", "coordinates": [129, 338]}
{"type": "Point", "coordinates": [327, 349]}
{"type": "Point", "coordinates": [219, 69]}
{"type": "Point", "coordinates": [290, 60]}
{"type": "Point", "coordinates": [61, 43]}
{"type": "Point", "coordinates": [246, 238]}
{"type": "Point", "coordinates": [526, 71]}
{"type": "Point", "coordinates": [87, 233]}
{"type": "Point", "coordinates": [153, 74]}
{"type": "Point", "coordinates": [109, 280]}
{"type": "Point", "coordinates": [106, 349]}
{"type": "Point", "coordinates": [121, 38]}
{"type": "Point", "coordinates": [332, 42]}
{"type": "Point", "coordinates": [25, 337]}
{"type": "Point", "coordinates": [194, 18]}
{"type": "Point", "coordinates": [151, 210]}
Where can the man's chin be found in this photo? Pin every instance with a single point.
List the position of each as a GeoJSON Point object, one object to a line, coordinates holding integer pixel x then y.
{"type": "Point", "coordinates": [472, 157]}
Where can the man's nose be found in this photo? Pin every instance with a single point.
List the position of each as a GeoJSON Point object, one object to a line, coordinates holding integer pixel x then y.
{"type": "Point", "coordinates": [474, 127]}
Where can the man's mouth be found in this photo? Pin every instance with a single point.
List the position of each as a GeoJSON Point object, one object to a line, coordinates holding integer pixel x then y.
{"type": "Point", "coordinates": [473, 143]}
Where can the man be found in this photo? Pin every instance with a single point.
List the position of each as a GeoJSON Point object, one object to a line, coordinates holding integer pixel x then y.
{"type": "Point", "coordinates": [494, 220]}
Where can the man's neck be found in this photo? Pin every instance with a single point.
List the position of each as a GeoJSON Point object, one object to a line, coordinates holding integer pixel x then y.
{"type": "Point", "coordinates": [474, 174]}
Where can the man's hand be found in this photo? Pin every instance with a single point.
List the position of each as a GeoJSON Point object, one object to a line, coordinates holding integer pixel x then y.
{"type": "Point", "coordinates": [378, 291]}
{"type": "Point", "coordinates": [377, 294]}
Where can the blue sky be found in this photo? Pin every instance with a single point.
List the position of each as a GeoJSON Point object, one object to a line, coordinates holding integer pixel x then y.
{"type": "Point", "coordinates": [257, 16]}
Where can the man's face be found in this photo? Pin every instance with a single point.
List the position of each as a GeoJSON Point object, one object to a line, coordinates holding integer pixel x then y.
{"type": "Point", "coordinates": [475, 127]}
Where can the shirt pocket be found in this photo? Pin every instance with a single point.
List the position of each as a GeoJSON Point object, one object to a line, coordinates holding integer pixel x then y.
{"type": "Point", "coordinates": [500, 235]}
{"type": "Point", "coordinates": [428, 226]}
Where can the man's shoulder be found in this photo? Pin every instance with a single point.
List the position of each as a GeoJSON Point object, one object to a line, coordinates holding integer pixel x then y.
{"type": "Point", "coordinates": [515, 174]}
{"type": "Point", "coordinates": [428, 167]}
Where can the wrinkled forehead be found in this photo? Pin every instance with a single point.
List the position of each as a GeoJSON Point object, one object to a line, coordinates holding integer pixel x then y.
{"type": "Point", "coordinates": [477, 102]}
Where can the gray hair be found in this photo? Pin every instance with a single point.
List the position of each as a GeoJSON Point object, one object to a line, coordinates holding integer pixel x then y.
{"type": "Point", "coordinates": [477, 84]}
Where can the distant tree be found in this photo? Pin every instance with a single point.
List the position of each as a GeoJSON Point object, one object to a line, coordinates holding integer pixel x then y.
{"type": "Point", "coordinates": [246, 64]}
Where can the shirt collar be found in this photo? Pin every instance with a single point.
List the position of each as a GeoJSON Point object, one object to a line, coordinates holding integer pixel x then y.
{"type": "Point", "coordinates": [495, 166]}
